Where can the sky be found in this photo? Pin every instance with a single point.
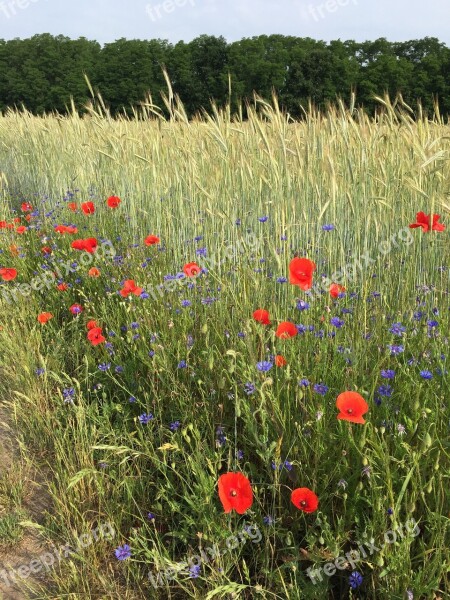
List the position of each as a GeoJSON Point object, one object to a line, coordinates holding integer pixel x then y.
{"type": "Point", "coordinates": [108, 20]}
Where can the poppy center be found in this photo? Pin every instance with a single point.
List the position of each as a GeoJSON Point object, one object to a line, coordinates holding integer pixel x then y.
{"type": "Point", "coordinates": [303, 503]}
{"type": "Point", "coordinates": [350, 411]}
{"type": "Point", "coordinates": [233, 493]}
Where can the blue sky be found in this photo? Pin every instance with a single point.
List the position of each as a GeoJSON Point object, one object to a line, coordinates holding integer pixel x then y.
{"type": "Point", "coordinates": [108, 20]}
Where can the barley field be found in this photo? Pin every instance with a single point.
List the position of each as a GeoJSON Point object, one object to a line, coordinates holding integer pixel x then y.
{"type": "Point", "coordinates": [213, 419]}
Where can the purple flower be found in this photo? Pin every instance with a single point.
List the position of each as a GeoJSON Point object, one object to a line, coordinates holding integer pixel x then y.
{"type": "Point", "coordinates": [123, 552]}
{"type": "Point", "coordinates": [397, 329]}
{"type": "Point", "coordinates": [303, 383]}
{"type": "Point", "coordinates": [388, 374]}
{"type": "Point", "coordinates": [144, 418]}
{"type": "Point", "coordinates": [426, 374]}
{"type": "Point", "coordinates": [320, 388]}
{"type": "Point", "coordinates": [328, 227]}
{"type": "Point", "coordinates": [355, 580]}
{"type": "Point", "coordinates": [264, 366]}
{"type": "Point", "coordinates": [262, 219]}
{"type": "Point", "coordinates": [337, 322]}
{"type": "Point", "coordinates": [395, 349]}
{"type": "Point", "coordinates": [302, 305]}
{"type": "Point", "coordinates": [174, 426]}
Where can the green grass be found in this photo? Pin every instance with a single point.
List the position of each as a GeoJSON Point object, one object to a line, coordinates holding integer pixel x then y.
{"type": "Point", "coordinates": [180, 180]}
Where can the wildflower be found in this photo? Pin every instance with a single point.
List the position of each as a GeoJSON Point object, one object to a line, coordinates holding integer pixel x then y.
{"type": "Point", "coordinates": [401, 429]}
{"type": "Point", "coordinates": [388, 374]}
{"type": "Point", "coordinates": [68, 395]}
{"type": "Point", "coordinates": [304, 499]}
{"type": "Point", "coordinates": [302, 305]}
{"type": "Point", "coordinates": [303, 383]}
{"type": "Point", "coordinates": [264, 366]}
{"type": "Point", "coordinates": [182, 364]}
{"type": "Point", "coordinates": [423, 220]}
{"type": "Point", "coordinates": [113, 201]}
{"type": "Point", "coordinates": [89, 244]}
{"type": "Point", "coordinates": [352, 407]}
{"type": "Point", "coordinates": [76, 309]}
{"type": "Point", "coordinates": [320, 388]}
{"type": "Point", "coordinates": [426, 374]}
{"type": "Point", "coordinates": [262, 219]}
{"type": "Point", "coordinates": [268, 520]}
{"type": "Point", "coordinates": [221, 438]}
{"type": "Point", "coordinates": [385, 390]}
{"type": "Point", "coordinates": [8, 274]}
{"type": "Point", "coordinates": [150, 516]}
{"type": "Point", "coordinates": [44, 317]}
{"type": "Point", "coordinates": [235, 492]}
{"type": "Point", "coordinates": [286, 330]}
{"type": "Point", "coordinates": [280, 361]}
{"type": "Point", "coordinates": [130, 287]}
{"type": "Point", "coordinates": [95, 336]}
{"type": "Point", "coordinates": [342, 483]}
{"type": "Point", "coordinates": [337, 322]}
{"type": "Point", "coordinates": [145, 418]}
{"type": "Point", "coordinates": [104, 366]}
{"type": "Point", "coordinates": [328, 227]}
{"type": "Point", "coordinates": [123, 552]}
{"type": "Point", "coordinates": [88, 208]}
{"type": "Point", "coordinates": [301, 272]}
{"type": "Point", "coordinates": [93, 272]}
{"type": "Point", "coordinates": [395, 349]}
{"type": "Point", "coordinates": [355, 580]}
{"type": "Point", "coordinates": [262, 316]}
{"type": "Point", "coordinates": [249, 388]}
{"type": "Point", "coordinates": [336, 290]}
{"type": "Point", "coordinates": [194, 571]}
{"type": "Point", "coordinates": [191, 269]}
{"type": "Point", "coordinates": [397, 329]}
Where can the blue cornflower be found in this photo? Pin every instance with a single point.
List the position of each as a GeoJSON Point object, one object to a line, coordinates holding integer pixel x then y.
{"type": "Point", "coordinates": [432, 324]}
{"type": "Point", "coordinates": [262, 219]}
{"type": "Point", "coordinates": [385, 390]}
{"type": "Point", "coordinates": [426, 374]}
{"type": "Point", "coordinates": [239, 455]}
{"type": "Point", "coordinates": [249, 388]}
{"type": "Point", "coordinates": [303, 383]}
{"type": "Point", "coordinates": [328, 227]}
{"type": "Point", "coordinates": [320, 388]}
{"type": "Point", "coordinates": [68, 394]}
{"type": "Point", "coordinates": [264, 366]}
{"type": "Point", "coordinates": [388, 374]}
{"type": "Point", "coordinates": [104, 366]}
{"type": "Point", "coordinates": [268, 520]}
{"type": "Point", "coordinates": [144, 418]}
{"type": "Point", "coordinates": [131, 399]}
{"type": "Point", "coordinates": [123, 552]}
{"type": "Point", "coordinates": [397, 329]}
{"type": "Point", "coordinates": [201, 252]}
{"type": "Point", "coordinates": [355, 580]}
{"type": "Point", "coordinates": [150, 516]}
{"type": "Point", "coordinates": [134, 325]}
{"type": "Point", "coordinates": [221, 438]}
{"type": "Point", "coordinates": [282, 280]}
{"type": "Point", "coordinates": [241, 334]}
{"type": "Point", "coordinates": [118, 369]}
{"type": "Point", "coordinates": [302, 305]}
{"type": "Point", "coordinates": [395, 349]}
{"type": "Point", "coordinates": [194, 571]}
{"type": "Point", "coordinates": [186, 303]}
{"type": "Point", "coordinates": [174, 426]}
{"type": "Point", "coordinates": [337, 322]}
{"type": "Point", "coordinates": [302, 328]}
{"type": "Point", "coordinates": [418, 315]}
{"type": "Point", "coordinates": [182, 364]}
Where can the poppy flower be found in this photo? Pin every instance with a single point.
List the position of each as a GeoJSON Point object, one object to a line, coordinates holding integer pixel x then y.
{"type": "Point", "coordinates": [423, 220]}
{"type": "Point", "coordinates": [28, 218]}
{"type": "Point", "coordinates": [336, 289]}
{"type": "Point", "coordinates": [66, 229]}
{"type": "Point", "coordinates": [46, 250]}
{"type": "Point", "coordinates": [305, 499]}
{"type": "Point", "coordinates": [235, 492]}
{"type": "Point", "coordinates": [286, 330]}
{"type": "Point", "coordinates": [301, 272]}
{"type": "Point", "coordinates": [8, 274]}
{"type": "Point", "coordinates": [44, 317]}
{"type": "Point", "coordinates": [262, 316]}
{"type": "Point", "coordinates": [26, 207]}
{"type": "Point", "coordinates": [92, 324]}
{"type": "Point", "coordinates": [3, 224]}
{"type": "Point", "coordinates": [88, 208]}
{"type": "Point", "coordinates": [191, 269]}
{"type": "Point", "coordinates": [76, 309]}
{"type": "Point", "coordinates": [62, 287]}
{"type": "Point", "coordinates": [280, 361]}
{"type": "Point", "coordinates": [90, 245]}
{"type": "Point", "coordinates": [16, 220]}
{"type": "Point", "coordinates": [94, 272]}
{"type": "Point", "coordinates": [21, 229]}
{"type": "Point", "coordinates": [352, 407]}
{"type": "Point", "coordinates": [113, 201]}
{"type": "Point", "coordinates": [151, 239]}
{"type": "Point", "coordinates": [95, 336]}
{"type": "Point", "coordinates": [72, 206]}
{"type": "Point", "coordinates": [129, 287]}
{"type": "Point", "coordinates": [14, 250]}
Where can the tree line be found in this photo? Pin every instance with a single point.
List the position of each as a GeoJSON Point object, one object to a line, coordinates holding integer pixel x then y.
{"type": "Point", "coordinates": [44, 72]}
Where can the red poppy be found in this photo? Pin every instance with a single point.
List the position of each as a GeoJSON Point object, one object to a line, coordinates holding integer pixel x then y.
{"type": "Point", "coordinates": [286, 330]}
{"type": "Point", "coordinates": [423, 220]}
{"type": "Point", "coordinates": [280, 361]}
{"type": "Point", "coordinates": [88, 208]}
{"type": "Point", "coordinates": [235, 492]}
{"type": "Point", "coordinates": [91, 324]}
{"type": "Point", "coordinates": [16, 220]}
{"type": "Point", "coordinates": [3, 224]}
{"type": "Point", "coordinates": [191, 269]}
{"type": "Point", "coordinates": [44, 317]}
{"type": "Point", "coordinates": [90, 245]}
{"type": "Point", "coordinates": [28, 218]}
{"type": "Point", "coordinates": [14, 250]}
{"type": "Point", "coordinates": [94, 272]}
{"type": "Point", "coordinates": [66, 229]}
{"type": "Point", "coordinates": [21, 229]}
{"type": "Point", "coordinates": [62, 287]}
{"type": "Point", "coordinates": [8, 274]}
{"type": "Point", "coordinates": [72, 206]}
{"type": "Point", "coordinates": [113, 201]}
{"type": "Point", "coordinates": [26, 207]}
{"type": "Point", "coordinates": [305, 500]}
{"type": "Point", "coordinates": [95, 336]}
{"type": "Point", "coordinates": [352, 407]}
{"type": "Point", "coordinates": [151, 239]}
{"type": "Point", "coordinates": [76, 309]}
{"type": "Point", "coordinates": [262, 316]}
{"type": "Point", "coordinates": [129, 287]}
{"type": "Point", "coordinates": [46, 250]}
{"type": "Point", "coordinates": [301, 272]}
{"type": "Point", "coordinates": [336, 289]}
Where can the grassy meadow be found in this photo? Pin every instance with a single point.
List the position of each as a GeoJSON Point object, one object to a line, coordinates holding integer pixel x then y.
{"type": "Point", "coordinates": [136, 431]}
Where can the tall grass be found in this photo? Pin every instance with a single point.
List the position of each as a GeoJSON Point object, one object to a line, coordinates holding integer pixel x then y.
{"type": "Point", "coordinates": [181, 180]}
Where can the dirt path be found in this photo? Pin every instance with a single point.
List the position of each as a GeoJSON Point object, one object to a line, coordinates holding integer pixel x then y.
{"type": "Point", "coordinates": [23, 496]}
